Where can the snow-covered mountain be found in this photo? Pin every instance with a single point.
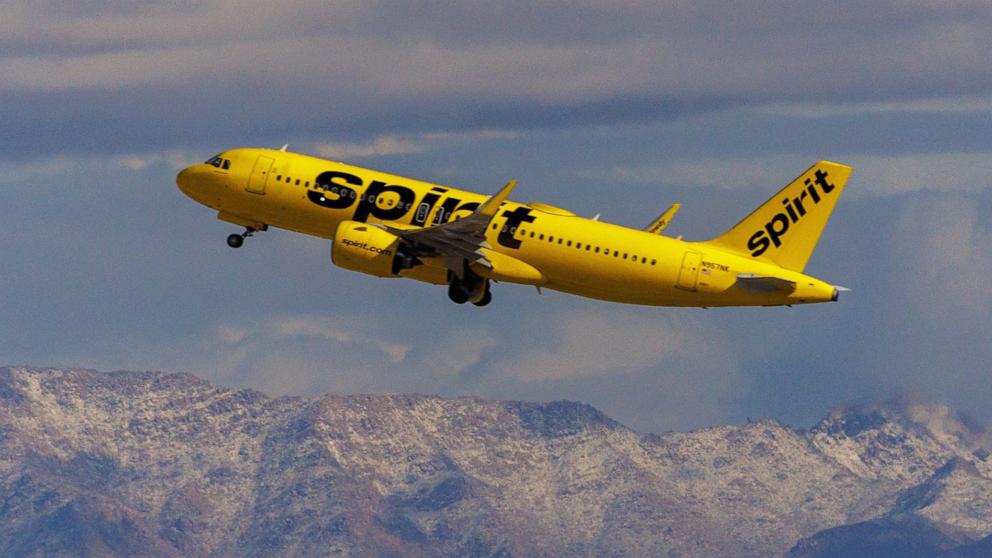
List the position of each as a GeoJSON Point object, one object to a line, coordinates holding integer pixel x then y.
{"type": "Point", "coordinates": [170, 465]}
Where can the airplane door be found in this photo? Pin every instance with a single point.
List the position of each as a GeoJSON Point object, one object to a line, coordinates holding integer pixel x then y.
{"type": "Point", "coordinates": [260, 174]}
{"type": "Point", "coordinates": [689, 273]}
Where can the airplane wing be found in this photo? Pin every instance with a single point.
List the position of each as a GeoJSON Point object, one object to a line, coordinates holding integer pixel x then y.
{"type": "Point", "coordinates": [764, 284]}
{"type": "Point", "coordinates": [464, 238]}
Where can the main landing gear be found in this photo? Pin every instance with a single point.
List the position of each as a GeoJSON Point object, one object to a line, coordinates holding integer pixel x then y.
{"type": "Point", "coordinates": [236, 240]}
{"type": "Point", "coordinates": [469, 287]}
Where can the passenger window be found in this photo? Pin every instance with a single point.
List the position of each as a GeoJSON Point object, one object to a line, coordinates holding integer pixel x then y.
{"type": "Point", "coordinates": [297, 181]}
{"type": "Point", "coordinates": [559, 241]}
{"type": "Point", "coordinates": [625, 255]}
{"type": "Point", "coordinates": [588, 247]}
{"type": "Point", "coordinates": [653, 262]}
{"type": "Point", "coordinates": [569, 243]}
{"type": "Point", "coordinates": [597, 249]}
{"type": "Point", "coordinates": [278, 177]}
{"type": "Point", "coordinates": [532, 234]}
{"type": "Point", "coordinates": [541, 236]}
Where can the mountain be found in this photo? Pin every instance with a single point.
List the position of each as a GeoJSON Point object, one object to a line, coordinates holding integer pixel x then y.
{"type": "Point", "coordinates": [110, 464]}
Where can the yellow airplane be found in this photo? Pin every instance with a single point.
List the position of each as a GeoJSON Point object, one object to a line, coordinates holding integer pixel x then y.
{"type": "Point", "coordinates": [390, 226]}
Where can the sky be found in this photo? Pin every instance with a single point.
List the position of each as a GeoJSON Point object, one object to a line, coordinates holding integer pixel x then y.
{"type": "Point", "coordinates": [619, 108]}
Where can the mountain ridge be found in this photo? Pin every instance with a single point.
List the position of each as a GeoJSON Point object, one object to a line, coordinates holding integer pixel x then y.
{"type": "Point", "coordinates": [178, 466]}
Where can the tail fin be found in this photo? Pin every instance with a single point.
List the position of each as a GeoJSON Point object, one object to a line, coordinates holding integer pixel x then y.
{"type": "Point", "coordinates": [786, 228]}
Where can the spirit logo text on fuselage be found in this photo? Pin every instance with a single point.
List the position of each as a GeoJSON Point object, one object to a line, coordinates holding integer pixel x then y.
{"type": "Point", "coordinates": [365, 246]}
{"type": "Point", "coordinates": [794, 210]}
{"type": "Point", "coordinates": [340, 190]}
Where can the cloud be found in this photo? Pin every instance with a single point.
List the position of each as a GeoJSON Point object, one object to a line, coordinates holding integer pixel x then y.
{"type": "Point", "coordinates": [609, 343]}
{"type": "Point", "coordinates": [594, 345]}
{"type": "Point", "coordinates": [874, 175]}
{"type": "Point", "coordinates": [338, 331]}
{"type": "Point", "coordinates": [945, 245]}
{"type": "Point", "coordinates": [932, 308]}
{"type": "Point", "coordinates": [367, 69]}
{"type": "Point", "coordinates": [380, 146]}
{"type": "Point", "coordinates": [388, 145]}
{"type": "Point", "coordinates": [948, 104]}
{"type": "Point", "coordinates": [926, 172]}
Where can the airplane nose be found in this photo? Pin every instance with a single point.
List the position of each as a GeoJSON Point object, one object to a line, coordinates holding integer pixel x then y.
{"type": "Point", "coordinates": [185, 180]}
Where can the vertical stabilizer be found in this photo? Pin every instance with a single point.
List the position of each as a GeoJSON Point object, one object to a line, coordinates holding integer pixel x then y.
{"type": "Point", "coordinates": [787, 227]}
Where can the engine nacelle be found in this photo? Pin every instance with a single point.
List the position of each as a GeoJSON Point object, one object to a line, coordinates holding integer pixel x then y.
{"type": "Point", "coordinates": [364, 248]}
{"type": "Point", "coordinates": [367, 249]}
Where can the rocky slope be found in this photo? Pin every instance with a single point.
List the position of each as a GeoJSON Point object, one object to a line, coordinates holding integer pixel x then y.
{"type": "Point", "coordinates": [104, 464]}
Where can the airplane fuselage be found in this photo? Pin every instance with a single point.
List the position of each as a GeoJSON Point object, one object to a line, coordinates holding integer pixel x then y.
{"type": "Point", "coordinates": [533, 244]}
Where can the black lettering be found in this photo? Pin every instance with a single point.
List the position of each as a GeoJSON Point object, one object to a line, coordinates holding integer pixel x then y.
{"type": "Point", "coordinates": [513, 219]}
{"type": "Point", "coordinates": [758, 244]}
{"type": "Point", "coordinates": [821, 179]}
{"type": "Point", "coordinates": [812, 191]}
{"type": "Point", "coordinates": [447, 209]}
{"type": "Point", "coordinates": [798, 202]}
{"type": "Point", "coordinates": [776, 232]}
{"type": "Point", "coordinates": [367, 207]}
{"type": "Point", "coordinates": [790, 210]}
{"type": "Point", "coordinates": [343, 196]}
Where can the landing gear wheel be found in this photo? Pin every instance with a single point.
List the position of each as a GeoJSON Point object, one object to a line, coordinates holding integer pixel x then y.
{"type": "Point", "coordinates": [457, 294]}
{"type": "Point", "coordinates": [486, 299]}
{"type": "Point", "coordinates": [235, 241]}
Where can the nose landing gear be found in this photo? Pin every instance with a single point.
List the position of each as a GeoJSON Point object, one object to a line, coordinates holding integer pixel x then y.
{"type": "Point", "coordinates": [236, 240]}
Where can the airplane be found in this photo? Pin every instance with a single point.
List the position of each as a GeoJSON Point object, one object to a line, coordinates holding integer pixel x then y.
{"type": "Point", "coordinates": [390, 226]}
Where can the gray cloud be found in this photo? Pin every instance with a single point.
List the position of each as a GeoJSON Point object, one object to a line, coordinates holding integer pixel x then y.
{"type": "Point", "coordinates": [166, 74]}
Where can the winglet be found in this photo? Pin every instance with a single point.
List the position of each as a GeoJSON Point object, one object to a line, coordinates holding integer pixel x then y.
{"type": "Point", "coordinates": [284, 147]}
{"type": "Point", "coordinates": [491, 206]}
{"type": "Point", "coordinates": [663, 220]}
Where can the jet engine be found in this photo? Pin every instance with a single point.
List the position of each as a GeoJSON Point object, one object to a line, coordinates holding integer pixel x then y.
{"type": "Point", "coordinates": [368, 249]}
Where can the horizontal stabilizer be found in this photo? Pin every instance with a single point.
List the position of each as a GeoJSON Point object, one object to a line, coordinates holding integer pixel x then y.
{"type": "Point", "coordinates": [663, 220]}
{"type": "Point", "coordinates": [764, 284]}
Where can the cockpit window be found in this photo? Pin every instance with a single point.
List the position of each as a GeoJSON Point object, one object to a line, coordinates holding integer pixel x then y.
{"type": "Point", "coordinates": [219, 162]}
